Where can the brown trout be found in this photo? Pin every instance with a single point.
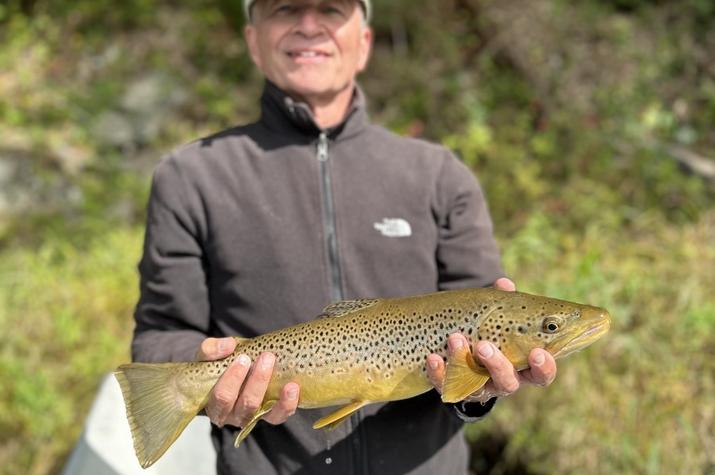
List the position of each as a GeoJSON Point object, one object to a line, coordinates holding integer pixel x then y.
{"type": "Point", "coordinates": [362, 351]}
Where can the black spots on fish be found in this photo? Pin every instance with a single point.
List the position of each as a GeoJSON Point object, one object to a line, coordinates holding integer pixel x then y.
{"type": "Point", "coordinates": [521, 329]}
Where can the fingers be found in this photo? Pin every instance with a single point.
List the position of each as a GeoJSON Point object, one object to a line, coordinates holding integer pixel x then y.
{"type": "Point", "coordinates": [215, 348]}
{"type": "Point", "coordinates": [253, 391]}
{"type": "Point", "coordinates": [542, 368]}
{"type": "Point", "coordinates": [239, 393]}
{"type": "Point", "coordinates": [505, 379]}
{"type": "Point", "coordinates": [435, 371]}
{"type": "Point", "coordinates": [504, 283]}
{"type": "Point", "coordinates": [435, 363]}
{"type": "Point", "coordinates": [223, 396]}
{"type": "Point", "coordinates": [286, 405]}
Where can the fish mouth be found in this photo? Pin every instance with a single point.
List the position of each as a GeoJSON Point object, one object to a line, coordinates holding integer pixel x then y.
{"type": "Point", "coordinates": [593, 330]}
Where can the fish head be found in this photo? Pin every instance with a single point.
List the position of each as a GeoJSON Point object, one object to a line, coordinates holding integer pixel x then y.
{"type": "Point", "coordinates": [524, 322]}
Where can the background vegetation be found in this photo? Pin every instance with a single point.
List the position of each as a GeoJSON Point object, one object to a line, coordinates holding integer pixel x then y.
{"type": "Point", "coordinates": [589, 123]}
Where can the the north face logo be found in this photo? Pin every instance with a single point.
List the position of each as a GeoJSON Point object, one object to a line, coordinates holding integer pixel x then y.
{"type": "Point", "coordinates": [394, 227]}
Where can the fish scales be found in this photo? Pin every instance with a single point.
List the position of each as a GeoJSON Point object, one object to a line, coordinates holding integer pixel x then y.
{"type": "Point", "coordinates": [368, 350]}
{"type": "Point", "coordinates": [375, 346]}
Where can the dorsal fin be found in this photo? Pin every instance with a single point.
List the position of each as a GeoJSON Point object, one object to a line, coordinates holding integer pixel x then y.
{"type": "Point", "coordinates": [345, 307]}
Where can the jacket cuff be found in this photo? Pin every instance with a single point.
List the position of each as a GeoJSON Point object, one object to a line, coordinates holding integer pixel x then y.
{"type": "Point", "coordinates": [473, 411]}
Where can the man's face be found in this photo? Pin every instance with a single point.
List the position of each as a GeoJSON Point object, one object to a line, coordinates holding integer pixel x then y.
{"type": "Point", "coordinates": [312, 49]}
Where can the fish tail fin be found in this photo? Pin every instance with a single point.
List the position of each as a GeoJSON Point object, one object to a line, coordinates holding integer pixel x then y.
{"type": "Point", "coordinates": [161, 399]}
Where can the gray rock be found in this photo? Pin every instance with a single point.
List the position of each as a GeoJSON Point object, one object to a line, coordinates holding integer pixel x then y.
{"type": "Point", "coordinates": [106, 443]}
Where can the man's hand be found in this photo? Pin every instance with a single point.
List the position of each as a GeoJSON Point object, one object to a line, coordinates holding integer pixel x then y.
{"type": "Point", "coordinates": [505, 380]}
{"type": "Point", "coordinates": [228, 403]}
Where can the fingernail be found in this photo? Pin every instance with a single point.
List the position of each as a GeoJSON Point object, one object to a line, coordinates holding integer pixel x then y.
{"type": "Point", "coordinates": [244, 360]}
{"type": "Point", "coordinates": [486, 350]}
{"type": "Point", "coordinates": [539, 359]}
{"type": "Point", "coordinates": [266, 360]}
{"type": "Point", "coordinates": [434, 364]}
{"type": "Point", "coordinates": [292, 393]}
{"type": "Point", "coordinates": [221, 346]}
{"type": "Point", "coordinates": [456, 343]}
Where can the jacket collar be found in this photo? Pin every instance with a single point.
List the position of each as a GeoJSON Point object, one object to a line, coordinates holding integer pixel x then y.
{"type": "Point", "coordinates": [282, 113]}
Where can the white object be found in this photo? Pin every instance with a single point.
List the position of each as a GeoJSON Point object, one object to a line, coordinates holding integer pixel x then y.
{"type": "Point", "coordinates": [394, 227]}
{"type": "Point", "coordinates": [106, 447]}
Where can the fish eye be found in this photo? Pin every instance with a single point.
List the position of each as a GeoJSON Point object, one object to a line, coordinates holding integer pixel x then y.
{"type": "Point", "coordinates": [551, 325]}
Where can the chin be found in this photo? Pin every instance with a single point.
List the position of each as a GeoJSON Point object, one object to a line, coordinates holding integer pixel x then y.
{"type": "Point", "coordinates": [310, 90]}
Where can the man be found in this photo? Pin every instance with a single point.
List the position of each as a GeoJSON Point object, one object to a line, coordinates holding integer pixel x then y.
{"type": "Point", "coordinates": [261, 226]}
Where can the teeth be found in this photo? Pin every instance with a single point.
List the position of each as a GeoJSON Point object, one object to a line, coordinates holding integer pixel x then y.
{"type": "Point", "coordinates": [306, 54]}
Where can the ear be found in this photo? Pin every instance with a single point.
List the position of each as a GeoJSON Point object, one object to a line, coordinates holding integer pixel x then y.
{"type": "Point", "coordinates": [251, 36]}
{"type": "Point", "coordinates": [365, 47]}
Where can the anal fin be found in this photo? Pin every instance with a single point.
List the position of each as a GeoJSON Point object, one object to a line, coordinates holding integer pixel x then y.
{"type": "Point", "coordinates": [332, 420]}
{"type": "Point", "coordinates": [463, 376]}
{"type": "Point", "coordinates": [262, 411]}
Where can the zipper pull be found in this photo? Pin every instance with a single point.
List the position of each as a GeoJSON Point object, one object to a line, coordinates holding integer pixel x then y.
{"type": "Point", "coordinates": [323, 147]}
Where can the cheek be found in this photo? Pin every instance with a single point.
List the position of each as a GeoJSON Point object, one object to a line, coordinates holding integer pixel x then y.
{"type": "Point", "coordinates": [267, 50]}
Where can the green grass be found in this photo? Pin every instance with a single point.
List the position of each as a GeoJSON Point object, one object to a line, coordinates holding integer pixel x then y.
{"type": "Point", "coordinates": [642, 399]}
{"type": "Point", "coordinates": [66, 318]}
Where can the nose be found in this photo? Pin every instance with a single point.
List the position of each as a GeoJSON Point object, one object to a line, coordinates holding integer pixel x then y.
{"type": "Point", "coordinates": [309, 22]}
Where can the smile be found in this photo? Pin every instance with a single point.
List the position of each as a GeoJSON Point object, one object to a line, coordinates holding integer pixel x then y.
{"type": "Point", "coordinates": [307, 54]}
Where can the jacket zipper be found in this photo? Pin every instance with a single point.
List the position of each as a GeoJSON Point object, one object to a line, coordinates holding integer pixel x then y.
{"type": "Point", "coordinates": [336, 288]}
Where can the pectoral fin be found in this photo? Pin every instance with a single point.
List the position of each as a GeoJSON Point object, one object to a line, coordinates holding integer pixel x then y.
{"type": "Point", "coordinates": [463, 376]}
{"type": "Point", "coordinates": [263, 410]}
{"type": "Point", "coordinates": [332, 420]}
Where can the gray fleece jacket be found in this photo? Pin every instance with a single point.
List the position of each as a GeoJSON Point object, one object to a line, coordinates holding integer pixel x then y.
{"type": "Point", "coordinates": [261, 226]}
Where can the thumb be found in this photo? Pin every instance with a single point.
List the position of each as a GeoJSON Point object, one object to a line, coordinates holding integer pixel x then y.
{"type": "Point", "coordinates": [505, 283]}
{"type": "Point", "coordinates": [215, 348]}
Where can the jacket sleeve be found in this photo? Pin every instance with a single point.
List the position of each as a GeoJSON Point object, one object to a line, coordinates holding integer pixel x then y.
{"type": "Point", "coordinates": [467, 253]}
{"type": "Point", "coordinates": [172, 315]}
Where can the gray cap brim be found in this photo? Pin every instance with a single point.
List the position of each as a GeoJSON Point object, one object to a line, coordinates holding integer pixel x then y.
{"type": "Point", "coordinates": [366, 5]}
